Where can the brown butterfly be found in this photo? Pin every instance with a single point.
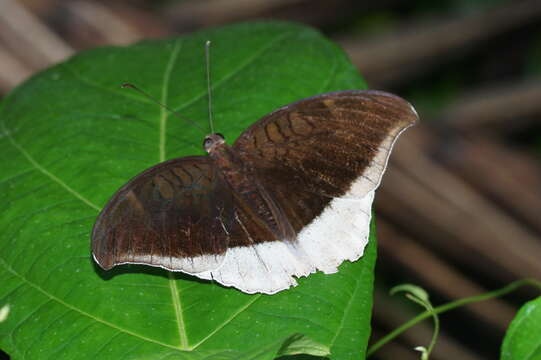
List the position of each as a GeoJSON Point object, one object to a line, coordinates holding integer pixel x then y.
{"type": "Point", "coordinates": [292, 195]}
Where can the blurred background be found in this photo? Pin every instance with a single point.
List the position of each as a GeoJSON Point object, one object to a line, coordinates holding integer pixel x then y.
{"type": "Point", "coordinates": [459, 212]}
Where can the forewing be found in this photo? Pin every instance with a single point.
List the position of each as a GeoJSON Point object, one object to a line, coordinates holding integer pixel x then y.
{"type": "Point", "coordinates": [174, 215]}
{"type": "Point", "coordinates": [333, 145]}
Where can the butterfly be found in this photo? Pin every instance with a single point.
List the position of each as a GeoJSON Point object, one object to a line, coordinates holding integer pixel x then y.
{"type": "Point", "coordinates": [291, 196]}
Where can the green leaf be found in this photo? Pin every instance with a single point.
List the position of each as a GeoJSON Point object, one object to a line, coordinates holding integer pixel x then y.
{"type": "Point", "coordinates": [523, 338]}
{"type": "Point", "coordinates": [71, 136]}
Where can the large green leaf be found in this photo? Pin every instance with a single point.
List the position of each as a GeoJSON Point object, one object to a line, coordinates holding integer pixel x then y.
{"type": "Point", "coordinates": [523, 338]}
{"type": "Point", "coordinates": [71, 136]}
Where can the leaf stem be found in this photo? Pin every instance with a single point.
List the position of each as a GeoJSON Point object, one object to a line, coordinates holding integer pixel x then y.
{"type": "Point", "coordinates": [450, 306]}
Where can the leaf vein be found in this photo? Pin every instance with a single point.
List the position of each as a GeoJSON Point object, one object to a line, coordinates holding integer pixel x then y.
{"type": "Point", "coordinates": [44, 330]}
{"type": "Point", "coordinates": [47, 173]}
{"type": "Point", "coordinates": [227, 321]}
{"type": "Point", "coordinates": [70, 341]}
{"type": "Point", "coordinates": [79, 311]}
{"type": "Point", "coordinates": [22, 173]}
{"type": "Point", "coordinates": [104, 345]}
{"type": "Point", "coordinates": [177, 305]}
{"type": "Point", "coordinates": [346, 311]}
{"type": "Point", "coordinates": [236, 71]}
{"type": "Point", "coordinates": [28, 316]}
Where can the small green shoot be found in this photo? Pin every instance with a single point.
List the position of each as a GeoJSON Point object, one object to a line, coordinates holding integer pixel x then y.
{"type": "Point", "coordinates": [420, 296]}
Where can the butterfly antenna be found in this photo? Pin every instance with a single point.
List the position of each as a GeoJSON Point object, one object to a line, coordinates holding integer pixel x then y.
{"type": "Point", "coordinates": [207, 58]}
{"type": "Point", "coordinates": [153, 99]}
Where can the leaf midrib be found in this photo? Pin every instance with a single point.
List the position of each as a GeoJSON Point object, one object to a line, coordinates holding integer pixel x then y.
{"type": "Point", "coordinates": [175, 297]}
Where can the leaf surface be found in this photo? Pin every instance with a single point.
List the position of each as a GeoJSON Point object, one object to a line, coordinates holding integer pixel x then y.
{"type": "Point", "coordinates": [71, 136]}
{"type": "Point", "coordinates": [523, 337]}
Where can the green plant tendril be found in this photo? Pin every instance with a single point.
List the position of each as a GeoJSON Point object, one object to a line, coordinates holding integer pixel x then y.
{"type": "Point", "coordinates": [450, 306]}
{"type": "Point", "coordinates": [419, 296]}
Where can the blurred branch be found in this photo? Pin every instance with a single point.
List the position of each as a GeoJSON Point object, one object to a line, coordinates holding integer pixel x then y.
{"type": "Point", "coordinates": [12, 71]}
{"type": "Point", "coordinates": [113, 29]}
{"type": "Point", "coordinates": [442, 207]}
{"type": "Point", "coordinates": [515, 178]}
{"type": "Point", "coordinates": [503, 106]}
{"type": "Point", "coordinates": [219, 11]}
{"type": "Point", "coordinates": [189, 15]}
{"type": "Point", "coordinates": [395, 57]}
{"type": "Point", "coordinates": [29, 38]}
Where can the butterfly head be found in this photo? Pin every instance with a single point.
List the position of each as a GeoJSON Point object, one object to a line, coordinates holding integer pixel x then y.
{"type": "Point", "coordinates": [213, 140]}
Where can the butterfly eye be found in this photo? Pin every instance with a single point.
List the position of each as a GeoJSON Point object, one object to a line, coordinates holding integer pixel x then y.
{"type": "Point", "coordinates": [207, 142]}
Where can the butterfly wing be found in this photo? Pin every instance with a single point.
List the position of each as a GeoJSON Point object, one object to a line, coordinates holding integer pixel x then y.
{"type": "Point", "coordinates": [321, 159]}
{"type": "Point", "coordinates": [323, 144]}
{"type": "Point", "coordinates": [174, 215]}
{"type": "Point", "coordinates": [318, 161]}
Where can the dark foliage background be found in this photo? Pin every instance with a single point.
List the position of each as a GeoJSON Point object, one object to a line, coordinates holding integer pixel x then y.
{"type": "Point", "coordinates": [458, 212]}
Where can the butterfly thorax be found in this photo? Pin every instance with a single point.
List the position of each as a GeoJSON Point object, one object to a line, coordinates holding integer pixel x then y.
{"type": "Point", "coordinates": [249, 192]}
{"type": "Point", "coordinates": [232, 168]}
